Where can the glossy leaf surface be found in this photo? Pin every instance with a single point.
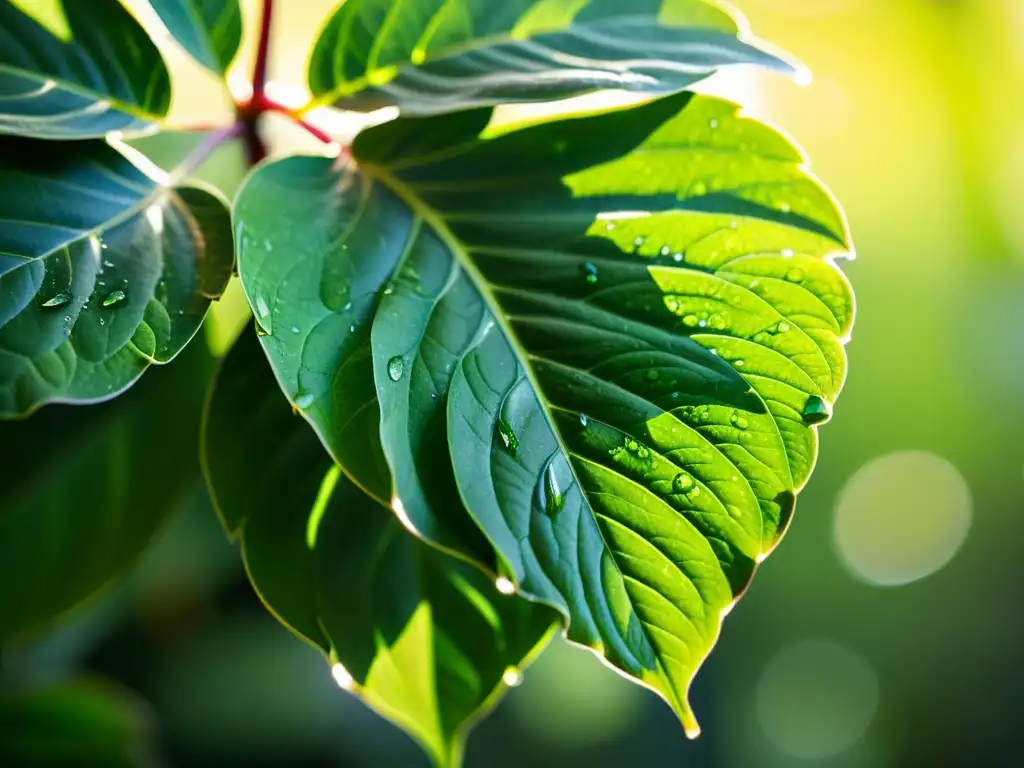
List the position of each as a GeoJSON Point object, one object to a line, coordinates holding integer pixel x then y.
{"type": "Point", "coordinates": [106, 75]}
{"type": "Point", "coordinates": [83, 723]}
{"type": "Point", "coordinates": [422, 638]}
{"type": "Point", "coordinates": [611, 336]}
{"type": "Point", "coordinates": [84, 490]}
{"type": "Point", "coordinates": [444, 55]}
{"type": "Point", "coordinates": [103, 271]}
{"type": "Point", "coordinates": [210, 30]}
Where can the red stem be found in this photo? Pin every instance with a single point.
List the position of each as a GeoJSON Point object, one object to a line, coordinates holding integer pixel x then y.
{"type": "Point", "coordinates": [268, 105]}
{"type": "Point", "coordinates": [259, 73]}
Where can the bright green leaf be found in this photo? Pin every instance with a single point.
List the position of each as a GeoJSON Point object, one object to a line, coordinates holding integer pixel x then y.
{"type": "Point", "coordinates": [422, 638]}
{"type": "Point", "coordinates": [618, 332]}
{"type": "Point", "coordinates": [82, 723]}
{"type": "Point", "coordinates": [104, 271]}
{"type": "Point", "coordinates": [443, 55]}
{"type": "Point", "coordinates": [210, 30]}
{"type": "Point", "coordinates": [107, 77]}
{"type": "Point", "coordinates": [84, 490]}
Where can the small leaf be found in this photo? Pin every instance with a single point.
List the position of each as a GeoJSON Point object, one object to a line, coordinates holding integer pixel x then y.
{"type": "Point", "coordinates": [423, 639]}
{"type": "Point", "coordinates": [82, 723]}
{"type": "Point", "coordinates": [104, 271]}
{"type": "Point", "coordinates": [108, 76]}
{"type": "Point", "coordinates": [210, 30]}
{"type": "Point", "coordinates": [84, 490]}
{"type": "Point", "coordinates": [617, 335]}
{"type": "Point", "coordinates": [445, 55]}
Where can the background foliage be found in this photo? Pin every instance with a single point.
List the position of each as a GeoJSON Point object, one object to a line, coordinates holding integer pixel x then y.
{"type": "Point", "coordinates": [919, 136]}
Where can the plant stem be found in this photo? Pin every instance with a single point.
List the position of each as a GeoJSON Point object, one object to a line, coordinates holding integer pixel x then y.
{"type": "Point", "coordinates": [268, 105]}
{"type": "Point", "coordinates": [259, 73]}
{"type": "Point", "coordinates": [204, 149]}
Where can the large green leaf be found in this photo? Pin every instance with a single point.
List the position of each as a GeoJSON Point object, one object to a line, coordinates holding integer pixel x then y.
{"type": "Point", "coordinates": [103, 271]}
{"type": "Point", "coordinates": [618, 332]}
{"type": "Point", "coordinates": [210, 30]}
{"type": "Point", "coordinates": [442, 55]}
{"type": "Point", "coordinates": [84, 490]}
{"type": "Point", "coordinates": [108, 76]}
{"type": "Point", "coordinates": [422, 638]}
{"type": "Point", "coordinates": [84, 723]}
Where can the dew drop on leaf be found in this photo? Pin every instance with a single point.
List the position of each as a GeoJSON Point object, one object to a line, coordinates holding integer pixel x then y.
{"type": "Point", "coordinates": [261, 307]}
{"type": "Point", "coordinates": [58, 301]}
{"type": "Point", "coordinates": [690, 320]}
{"type": "Point", "coordinates": [682, 483]}
{"type": "Point", "coordinates": [738, 421]}
{"type": "Point", "coordinates": [295, 329]}
{"type": "Point", "coordinates": [114, 298]}
{"type": "Point", "coordinates": [698, 188]}
{"type": "Point", "coordinates": [583, 420]}
{"type": "Point", "coordinates": [783, 327]}
{"type": "Point", "coordinates": [304, 399]}
{"type": "Point", "coordinates": [677, 257]}
{"type": "Point", "coordinates": [817, 410]}
{"type": "Point", "coordinates": [652, 375]}
{"type": "Point", "coordinates": [589, 271]}
{"type": "Point", "coordinates": [396, 367]}
{"type": "Point", "coordinates": [508, 437]}
{"type": "Point", "coordinates": [795, 275]}
{"type": "Point", "coordinates": [512, 677]}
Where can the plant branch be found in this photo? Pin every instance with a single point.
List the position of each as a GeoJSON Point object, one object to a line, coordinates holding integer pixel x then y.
{"type": "Point", "coordinates": [259, 73]}
{"type": "Point", "coordinates": [295, 115]}
{"type": "Point", "coordinates": [204, 149]}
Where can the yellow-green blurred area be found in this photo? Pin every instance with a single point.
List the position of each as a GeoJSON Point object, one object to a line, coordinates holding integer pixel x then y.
{"type": "Point", "coordinates": [887, 629]}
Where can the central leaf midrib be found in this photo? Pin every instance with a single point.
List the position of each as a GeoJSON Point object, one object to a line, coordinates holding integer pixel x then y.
{"type": "Point", "coordinates": [435, 220]}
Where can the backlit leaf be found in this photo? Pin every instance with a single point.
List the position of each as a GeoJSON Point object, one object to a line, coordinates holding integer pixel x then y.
{"type": "Point", "coordinates": [210, 30]}
{"type": "Point", "coordinates": [612, 336]}
{"type": "Point", "coordinates": [442, 55]}
{"type": "Point", "coordinates": [106, 76]}
{"type": "Point", "coordinates": [422, 638]}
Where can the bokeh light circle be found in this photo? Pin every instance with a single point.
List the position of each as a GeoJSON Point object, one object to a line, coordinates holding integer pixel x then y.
{"type": "Point", "coordinates": [901, 517]}
{"type": "Point", "coordinates": [816, 699]}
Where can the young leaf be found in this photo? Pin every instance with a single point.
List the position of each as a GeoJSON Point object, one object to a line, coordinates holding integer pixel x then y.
{"type": "Point", "coordinates": [106, 76]}
{"type": "Point", "coordinates": [422, 638]}
{"type": "Point", "coordinates": [83, 490]}
{"type": "Point", "coordinates": [104, 271]}
{"type": "Point", "coordinates": [628, 325]}
{"type": "Point", "coordinates": [83, 723]}
{"type": "Point", "coordinates": [443, 55]}
{"type": "Point", "coordinates": [210, 30]}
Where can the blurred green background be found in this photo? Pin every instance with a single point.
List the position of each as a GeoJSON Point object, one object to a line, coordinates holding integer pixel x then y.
{"type": "Point", "coordinates": [887, 630]}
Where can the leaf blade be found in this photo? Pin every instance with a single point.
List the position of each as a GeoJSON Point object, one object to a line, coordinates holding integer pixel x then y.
{"type": "Point", "coordinates": [209, 30]}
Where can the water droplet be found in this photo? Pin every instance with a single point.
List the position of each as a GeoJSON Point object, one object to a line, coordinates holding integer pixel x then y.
{"type": "Point", "coordinates": [795, 275]}
{"type": "Point", "coordinates": [589, 271]}
{"type": "Point", "coordinates": [551, 498]}
{"type": "Point", "coordinates": [114, 297]}
{"type": "Point", "coordinates": [698, 189]}
{"type": "Point", "coordinates": [504, 585]}
{"type": "Point", "coordinates": [784, 207]}
{"type": "Point", "coordinates": [682, 483]}
{"type": "Point", "coordinates": [638, 242]}
{"type": "Point", "coordinates": [714, 124]}
{"type": "Point", "coordinates": [102, 321]}
{"type": "Point", "coordinates": [584, 420]}
{"type": "Point", "coordinates": [642, 452]}
{"type": "Point", "coordinates": [817, 410]}
{"type": "Point", "coordinates": [304, 399]}
{"type": "Point", "coordinates": [665, 250]}
{"type": "Point", "coordinates": [347, 307]}
{"type": "Point", "coordinates": [58, 301]}
{"type": "Point", "coordinates": [734, 224]}
{"type": "Point", "coordinates": [352, 328]}
{"type": "Point", "coordinates": [738, 363]}
{"type": "Point", "coordinates": [695, 492]}
{"type": "Point", "coordinates": [652, 375]}
{"type": "Point", "coordinates": [783, 327]}
{"type": "Point", "coordinates": [389, 289]}
{"type": "Point", "coordinates": [107, 263]}
{"type": "Point", "coordinates": [717, 322]}
{"type": "Point", "coordinates": [702, 323]}
{"type": "Point", "coordinates": [677, 257]}
{"type": "Point", "coordinates": [104, 247]}
{"type": "Point", "coordinates": [261, 307]}
{"type": "Point", "coordinates": [632, 445]}
{"type": "Point", "coordinates": [512, 677]}
{"type": "Point", "coordinates": [396, 367]}
{"type": "Point", "coordinates": [787, 253]}
{"type": "Point", "coordinates": [295, 329]}
{"type": "Point", "coordinates": [738, 421]}
{"type": "Point", "coordinates": [508, 437]}
{"type": "Point", "coordinates": [269, 246]}
{"type": "Point", "coordinates": [690, 320]}
{"type": "Point", "coordinates": [609, 226]}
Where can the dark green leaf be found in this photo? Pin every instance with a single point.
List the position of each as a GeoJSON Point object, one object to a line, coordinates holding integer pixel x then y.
{"type": "Point", "coordinates": [83, 490]}
{"type": "Point", "coordinates": [210, 30]}
{"type": "Point", "coordinates": [107, 76]}
{"type": "Point", "coordinates": [620, 330]}
{"type": "Point", "coordinates": [103, 270]}
{"type": "Point", "coordinates": [443, 55]}
{"type": "Point", "coordinates": [422, 638]}
{"type": "Point", "coordinates": [83, 723]}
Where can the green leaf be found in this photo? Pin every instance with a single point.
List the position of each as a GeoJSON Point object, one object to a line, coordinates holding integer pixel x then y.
{"type": "Point", "coordinates": [85, 723]}
{"type": "Point", "coordinates": [84, 490]}
{"type": "Point", "coordinates": [443, 55]}
{"type": "Point", "coordinates": [210, 30]}
{"type": "Point", "coordinates": [107, 76]}
{"type": "Point", "coordinates": [104, 271]}
{"type": "Point", "coordinates": [423, 639]}
{"type": "Point", "coordinates": [620, 330]}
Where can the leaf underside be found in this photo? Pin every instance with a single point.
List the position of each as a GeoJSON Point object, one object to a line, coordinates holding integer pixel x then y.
{"type": "Point", "coordinates": [103, 271]}
{"type": "Point", "coordinates": [421, 638]}
{"type": "Point", "coordinates": [108, 76]}
{"type": "Point", "coordinates": [609, 338]}
{"type": "Point", "coordinates": [444, 55]}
